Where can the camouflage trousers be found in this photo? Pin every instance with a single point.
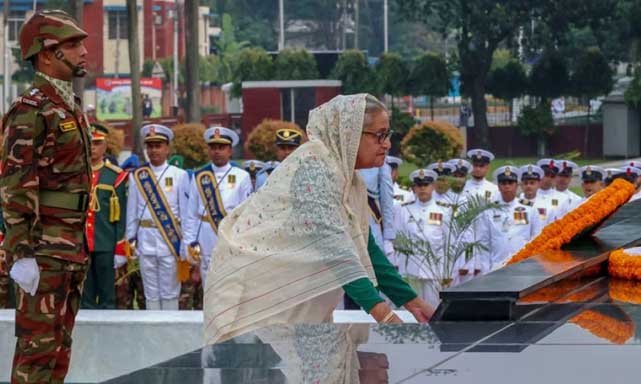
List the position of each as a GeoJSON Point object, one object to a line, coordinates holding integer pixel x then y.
{"type": "Point", "coordinates": [129, 289]}
{"type": "Point", "coordinates": [44, 322]}
{"type": "Point", "coordinates": [5, 282]}
{"type": "Point", "coordinates": [191, 291]}
{"type": "Point", "coordinates": [5, 285]}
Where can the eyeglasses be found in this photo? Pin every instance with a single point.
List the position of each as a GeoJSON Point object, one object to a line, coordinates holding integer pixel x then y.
{"type": "Point", "coordinates": [381, 136]}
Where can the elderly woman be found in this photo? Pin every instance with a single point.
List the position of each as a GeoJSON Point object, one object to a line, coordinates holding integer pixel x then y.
{"type": "Point", "coordinates": [287, 254]}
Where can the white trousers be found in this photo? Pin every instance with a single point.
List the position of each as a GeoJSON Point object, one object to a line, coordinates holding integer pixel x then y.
{"type": "Point", "coordinates": [159, 277]}
{"type": "Point", "coordinates": [204, 267]}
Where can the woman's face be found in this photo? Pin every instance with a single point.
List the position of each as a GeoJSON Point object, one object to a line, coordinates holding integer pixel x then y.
{"type": "Point", "coordinates": [371, 152]}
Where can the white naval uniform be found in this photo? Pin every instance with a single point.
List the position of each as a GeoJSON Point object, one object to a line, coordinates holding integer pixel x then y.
{"type": "Point", "coordinates": [426, 221]}
{"type": "Point", "coordinates": [551, 205]}
{"type": "Point", "coordinates": [573, 199]}
{"type": "Point", "coordinates": [505, 231]}
{"type": "Point", "coordinates": [402, 196]}
{"type": "Point", "coordinates": [157, 264]}
{"type": "Point", "coordinates": [196, 227]}
{"type": "Point", "coordinates": [483, 188]}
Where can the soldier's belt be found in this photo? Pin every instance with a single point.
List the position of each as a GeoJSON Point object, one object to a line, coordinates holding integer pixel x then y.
{"type": "Point", "coordinates": [64, 200]}
{"type": "Point", "coordinates": [204, 218]}
{"type": "Point", "coordinates": [147, 224]}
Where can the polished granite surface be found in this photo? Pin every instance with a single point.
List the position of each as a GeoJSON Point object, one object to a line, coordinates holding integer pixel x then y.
{"type": "Point", "coordinates": [588, 335]}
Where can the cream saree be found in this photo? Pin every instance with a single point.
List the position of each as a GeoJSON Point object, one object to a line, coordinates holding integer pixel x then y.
{"type": "Point", "coordinates": [284, 254]}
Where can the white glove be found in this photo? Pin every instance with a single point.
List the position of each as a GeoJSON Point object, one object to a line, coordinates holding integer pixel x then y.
{"type": "Point", "coordinates": [26, 273]}
{"type": "Point", "coordinates": [388, 247]}
{"type": "Point", "coordinates": [119, 261]}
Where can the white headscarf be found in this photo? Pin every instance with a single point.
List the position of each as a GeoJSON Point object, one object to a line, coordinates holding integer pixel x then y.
{"type": "Point", "coordinates": [300, 236]}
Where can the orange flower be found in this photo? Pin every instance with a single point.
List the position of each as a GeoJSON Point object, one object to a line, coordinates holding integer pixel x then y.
{"type": "Point", "coordinates": [605, 327]}
{"type": "Point", "coordinates": [625, 291]}
{"type": "Point", "coordinates": [624, 266]}
{"type": "Point", "coordinates": [558, 293]}
{"type": "Point", "coordinates": [590, 213]}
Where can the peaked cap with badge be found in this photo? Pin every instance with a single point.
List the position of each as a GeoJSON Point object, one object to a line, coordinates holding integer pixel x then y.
{"type": "Point", "coordinates": [591, 173]}
{"type": "Point", "coordinates": [566, 167]}
{"type": "Point", "coordinates": [221, 135]}
{"type": "Point", "coordinates": [531, 172]}
{"type": "Point", "coordinates": [442, 168]}
{"type": "Point", "coordinates": [155, 132]}
{"type": "Point", "coordinates": [480, 156]}
{"type": "Point", "coordinates": [462, 167]}
{"type": "Point", "coordinates": [507, 173]}
{"type": "Point", "coordinates": [289, 136]}
{"type": "Point", "coordinates": [423, 177]}
{"type": "Point", "coordinates": [253, 166]}
{"type": "Point", "coordinates": [549, 166]}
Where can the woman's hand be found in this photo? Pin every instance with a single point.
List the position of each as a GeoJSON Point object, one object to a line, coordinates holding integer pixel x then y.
{"type": "Point", "coordinates": [421, 311]}
{"type": "Point", "coordinates": [381, 310]}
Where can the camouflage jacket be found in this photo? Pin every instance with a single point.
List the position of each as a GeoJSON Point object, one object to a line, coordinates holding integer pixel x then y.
{"type": "Point", "coordinates": [46, 176]}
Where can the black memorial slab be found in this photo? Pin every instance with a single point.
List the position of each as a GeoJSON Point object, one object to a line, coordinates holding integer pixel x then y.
{"type": "Point", "coordinates": [494, 297]}
{"type": "Point", "coordinates": [554, 346]}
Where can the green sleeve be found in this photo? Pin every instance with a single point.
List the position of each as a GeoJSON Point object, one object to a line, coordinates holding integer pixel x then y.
{"type": "Point", "coordinates": [121, 191]}
{"type": "Point", "coordinates": [389, 281]}
{"type": "Point", "coordinates": [362, 291]}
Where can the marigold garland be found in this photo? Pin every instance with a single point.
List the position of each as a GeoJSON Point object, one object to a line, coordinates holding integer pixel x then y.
{"type": "Point", "coordinates": [605, 327]}
{"type": "Point", "coordinates": [625, 291]}
{"type": "Point", "coordinates": [590, 213]}
{"type": "Point", "coordinates": [624, 265]}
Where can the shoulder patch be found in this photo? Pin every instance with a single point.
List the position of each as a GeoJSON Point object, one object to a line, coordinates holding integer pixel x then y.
{"type": "Point", "coordinates": [112, 167]}
{"type": "Point", "coordinates": [526, 202]}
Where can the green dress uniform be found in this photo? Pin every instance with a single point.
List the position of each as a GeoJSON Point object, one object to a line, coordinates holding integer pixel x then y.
{"type": "Point", "coordinates": [105, 235]}
{"type": "Point", "coordinates": [45, 185]}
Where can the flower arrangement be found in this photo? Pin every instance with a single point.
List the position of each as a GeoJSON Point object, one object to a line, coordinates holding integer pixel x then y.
{"type": "Point", "coordinates": [604, 326]}
{"type": "Point", "coordinates": [588, 214]}
{"type": "Point", "coordinates": [625, 291]}
{"type": "Point", "coordinates": [625, 263]}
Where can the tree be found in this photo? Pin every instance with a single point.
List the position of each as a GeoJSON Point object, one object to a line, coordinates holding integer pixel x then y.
{"type": "Point", "coordinates": [227, 47]}
{"type": "Point", "coordinates": [251, 64]}
{"type": "Point", "coordinates": [508, 82]}
{"type": "Point", "coordinates": [192, 56]}
{"type": "Point", "coordinates": [480, 27]}
{"type": "Point", "coordinates": [550, 77]}
{"type": "Point", "coordinates": [295, 64]}
{"type": "Point", "coordinates": [354, 72]}
{"type": "Point", "coordinates": [430, 77]}
{"type": "Point", "coordinates": [591, 77]}
{"type": "Point", "coordinates": [537, 122]}
{"type": "Point", "coordinates": [400, 123]}
{"type": "Point", "coordinates": [632, 94]}
{"type": "Point", "coordinates": [77, 11]}
{"type": "Point", "coordinates": [134, 64]}
{"type": "Point", "coordinates": [391, 75]}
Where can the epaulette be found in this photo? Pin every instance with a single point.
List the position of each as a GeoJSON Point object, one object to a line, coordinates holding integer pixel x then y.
{"type": "Point", "coordinates": [112, 166]}
{"type": "Point", "coordinates": [526, 202]}
{"type": "Point", "coordinates": [443, 204]}
{"type": "Point", "coordinates": [407, 203]}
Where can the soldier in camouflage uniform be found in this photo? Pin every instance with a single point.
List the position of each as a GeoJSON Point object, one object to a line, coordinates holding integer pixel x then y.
{"type": "Point", "coordinates": [45, 185]}
{"type": "Point", "coordinates": [105, 226]}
